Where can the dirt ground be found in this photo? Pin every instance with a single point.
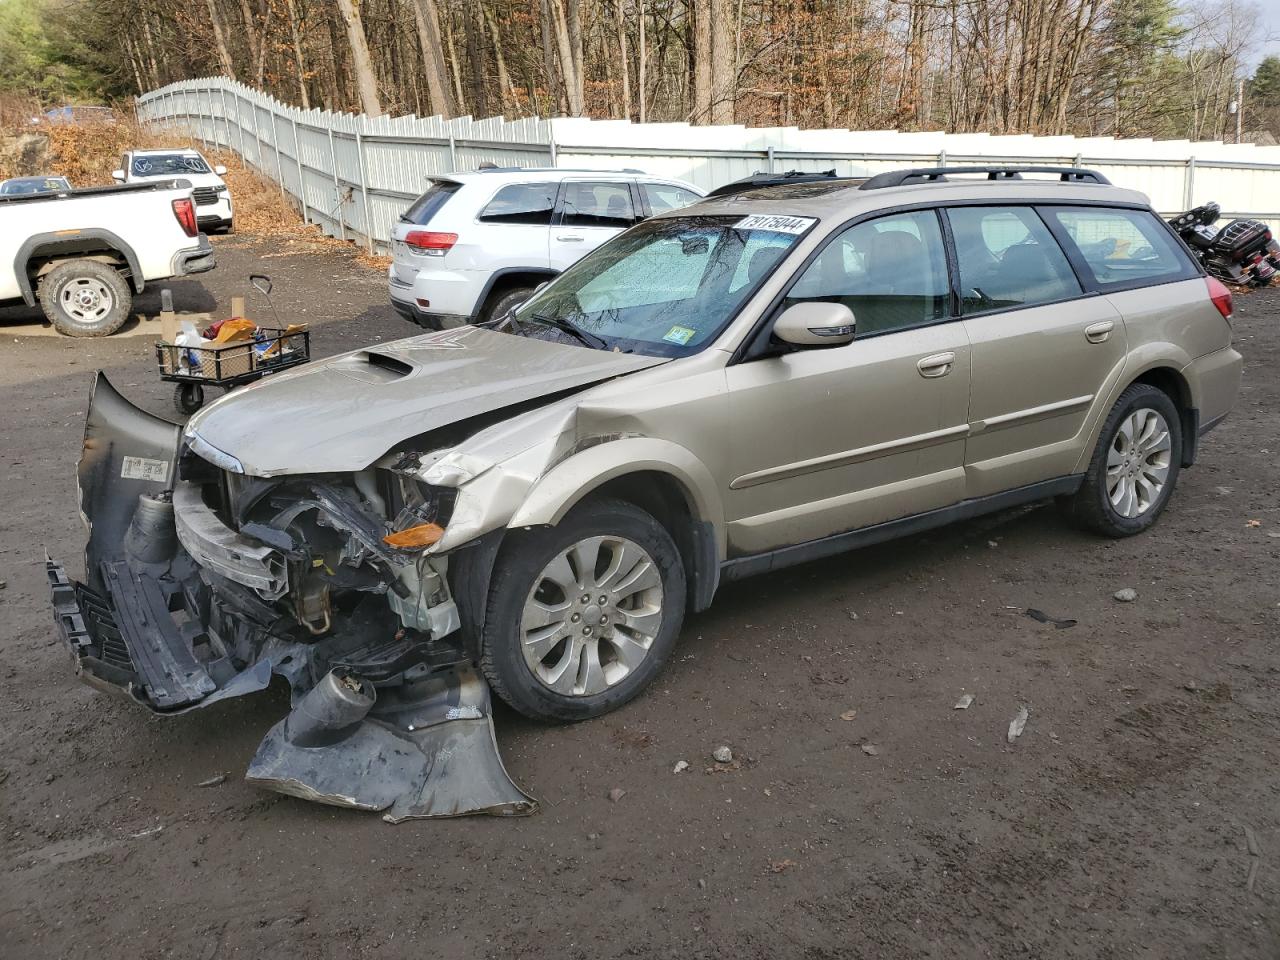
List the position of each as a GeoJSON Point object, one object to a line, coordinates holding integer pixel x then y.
{"type": "Point", "coordinates": [1114, 827]}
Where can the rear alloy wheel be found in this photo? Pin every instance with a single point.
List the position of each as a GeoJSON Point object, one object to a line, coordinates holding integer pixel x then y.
{"type": "Point", "coordinates": [499, 306]}
{"type": "Point", "coordinates": [85, 298]}
{"type": "Point", "coordinates": [1134, 467]}
{"type": "Point", "coordinates": [583, 615]}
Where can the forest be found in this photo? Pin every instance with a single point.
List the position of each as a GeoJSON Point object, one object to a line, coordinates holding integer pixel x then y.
{"type": "Point", "coordinates": [1123, 68]}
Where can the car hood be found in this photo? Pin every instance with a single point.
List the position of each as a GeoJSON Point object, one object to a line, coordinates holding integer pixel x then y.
{"type": "Point", "coordinates": [343, 413]}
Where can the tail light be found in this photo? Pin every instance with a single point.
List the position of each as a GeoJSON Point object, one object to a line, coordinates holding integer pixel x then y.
{"type": "Point", "coordinates": [185, 211]}
{"type": "Point", "coordinates": [430, 243]}
{"type": "Point", "coordinates": [1220, 296]}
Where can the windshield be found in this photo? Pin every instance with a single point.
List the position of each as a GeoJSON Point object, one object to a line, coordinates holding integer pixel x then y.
{"type": "Point", "coordinates": [167, 165]}
{"type": "Point", "coordinates": [666, 287]}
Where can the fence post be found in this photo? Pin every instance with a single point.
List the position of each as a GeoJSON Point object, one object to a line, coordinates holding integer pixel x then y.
{"type": "Point", "coordinates": [769, 159]}
{"type": "Point", "coordinates": [275, 142]}
{"type": "Point", "coordinates": [942, 157]}
{"type": "Point", "coordinates": [551, 142]}
{"type": "Point", "coordinates": [1189, 184]}
{"type": "Point", "coordinates": [364, 191]}
{"type": "Point", "coordinates": [453, 152]}
{"type": "Point", "coordinates": [337, 187]}
{"type": "Point", "coordinates": [239, 128]}
{"type": "Point", "coordinates": [257, 136]}
{"type": "Point", "coordinates": [302, 183]}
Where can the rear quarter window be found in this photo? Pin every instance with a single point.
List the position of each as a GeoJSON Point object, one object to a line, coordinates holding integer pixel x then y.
{"type": "Point", "coordinates": [1122, 248]}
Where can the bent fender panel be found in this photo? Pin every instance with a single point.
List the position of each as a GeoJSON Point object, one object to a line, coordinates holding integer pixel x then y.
{"type": "Point", "coordinates": [127, 452]}
{"type": "Point", "coordinates": [557, 491]}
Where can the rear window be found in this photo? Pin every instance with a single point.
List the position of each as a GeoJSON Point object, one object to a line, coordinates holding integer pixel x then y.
{"type": "Point", "coordinates": [527, 203]}
{"type": "Point", "coordinates": [667, 196]}
{"type": "Point", "coordinates": [1123, 247]}
{"type": "Point", "coordinates": [429, 204]}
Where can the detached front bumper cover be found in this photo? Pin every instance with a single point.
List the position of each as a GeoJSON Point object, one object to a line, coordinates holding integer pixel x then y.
{"type": "Point", "coordinates": [153, 625]}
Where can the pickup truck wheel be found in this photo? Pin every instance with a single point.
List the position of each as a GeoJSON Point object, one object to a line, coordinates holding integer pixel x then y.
{"type": "Point", "coordinates": [583, 615]}
{"type": "Point", "coordinates": [85, 298]}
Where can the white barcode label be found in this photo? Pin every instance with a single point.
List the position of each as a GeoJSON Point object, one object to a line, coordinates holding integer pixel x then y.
{"type": "Point", "coordinates": [144, 468]}
{"type": "Point", "coordinates": [778, 224]}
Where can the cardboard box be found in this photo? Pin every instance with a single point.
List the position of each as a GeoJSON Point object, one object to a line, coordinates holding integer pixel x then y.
{"type": "Point", "coordinates": [222, 360]}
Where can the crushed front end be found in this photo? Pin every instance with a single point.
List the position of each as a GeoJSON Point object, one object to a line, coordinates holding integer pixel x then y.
{"type": "Point", "coordinates": [203, 582]}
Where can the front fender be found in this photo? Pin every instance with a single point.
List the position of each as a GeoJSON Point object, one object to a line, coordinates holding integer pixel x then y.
{"type": "Point", "coordinates": [563, 486]}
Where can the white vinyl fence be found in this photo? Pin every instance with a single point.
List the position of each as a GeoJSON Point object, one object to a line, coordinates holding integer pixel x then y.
{"type": "Point", "coordinates": [353, 175]}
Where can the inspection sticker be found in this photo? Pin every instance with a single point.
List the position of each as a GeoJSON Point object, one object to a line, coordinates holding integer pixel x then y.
{"type": "Point", "coordinates": [680, 335]}
{"type": "Point", "coordinates": [144, 468]}
{"type": "Point", "coordinates": [778, 224]}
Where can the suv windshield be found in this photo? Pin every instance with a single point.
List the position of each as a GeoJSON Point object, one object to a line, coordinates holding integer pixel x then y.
{"type": "Point", "coordinates": [167, 164]}
{"type": "Point", "coordinates": [666, 287]}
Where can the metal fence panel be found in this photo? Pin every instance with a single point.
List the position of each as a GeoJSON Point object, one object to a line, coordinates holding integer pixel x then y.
{"type": "Point", "coordinates": [353, 175]}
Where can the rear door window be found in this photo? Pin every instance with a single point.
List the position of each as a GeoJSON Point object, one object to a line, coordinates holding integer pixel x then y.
{"type": "Point", "coordinates": [1008, 258]}
{"type": "Point", "coordinates": [527, 203]}
{"type": "Point", "coordinates": [428, 205]}
{"type": "Point", "coordinates": [598, 205]}
{"type": "Point", "coordinates": [667, 196]}
{"type": "Point", "coordinates": [1122, 248]}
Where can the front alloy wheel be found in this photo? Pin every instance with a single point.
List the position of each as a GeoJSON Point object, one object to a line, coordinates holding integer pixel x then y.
{"type": "Point", "coordinates": [581, 616]}
{"type": "Point", "coordinates": [592, 616]}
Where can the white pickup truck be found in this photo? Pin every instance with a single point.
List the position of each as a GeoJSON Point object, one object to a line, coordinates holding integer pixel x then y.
{"type": "Point", "coordinates": [80, 251]}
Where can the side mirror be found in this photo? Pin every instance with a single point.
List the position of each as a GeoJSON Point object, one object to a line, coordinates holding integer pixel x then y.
{"type": "Point", "coordinates": [118, 176]}
{"type": "Point", "coordinates": [220, 170]}
{"type": "Point", "coordinates": [815, 325]}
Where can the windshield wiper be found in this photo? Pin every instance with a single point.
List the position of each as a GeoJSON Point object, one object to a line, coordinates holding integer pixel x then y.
{"type": "Point", "coordinates": [586, 339]}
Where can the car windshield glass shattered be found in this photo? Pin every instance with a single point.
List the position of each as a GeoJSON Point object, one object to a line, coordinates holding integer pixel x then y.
{"type": "Point", "coordinates": [666, 287]}
{"type": "Point", "coordinates": [165, 164]}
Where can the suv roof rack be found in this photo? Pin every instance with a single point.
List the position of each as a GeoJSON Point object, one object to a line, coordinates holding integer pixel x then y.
{"type": "Point", "coordinates": [899, 178]}
{"type": "Point", "coordinates": [488, 166]}
{"type": "Point", "coordinates": [762, 178]}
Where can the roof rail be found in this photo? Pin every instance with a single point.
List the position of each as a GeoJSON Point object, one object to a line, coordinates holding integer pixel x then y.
{"type": "Point", "coordinates": [488, 166]}
{"type": "Point", "coordinates": [762, 178]}
{"type": "Point", "coordinates": [900, 178]}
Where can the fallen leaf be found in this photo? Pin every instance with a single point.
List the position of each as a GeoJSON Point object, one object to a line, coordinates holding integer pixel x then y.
{"type": "Point", "coordinates": [1253, 523]}
{"type": "Point", "coordinates": [849, 715]}
{"type": "Point", "coordinates": [778, 866]}
{"type": "Point", "coordinates": [964, 702]}
{"type": "Point", "coordinates": [1018, 723]}
{"type": "Point", "coordinates": [871, 750]}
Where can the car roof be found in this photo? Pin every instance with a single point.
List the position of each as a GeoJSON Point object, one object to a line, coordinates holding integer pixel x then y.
{"type": "Point", "coordinates": [184, 151]}
{"type": "Point", "coordinates": [844, 198]}
{"type": "Point", "coordinates": [36, 179]}
{"type": "Point", "coordinates": [546, 174]}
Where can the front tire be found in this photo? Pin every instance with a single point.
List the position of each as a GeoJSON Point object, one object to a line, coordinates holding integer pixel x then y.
{"type": "Point", "coordinates": [583, 615]}
{"type": "Point", "coordinates": [85, 298]}
{"type": "Point", "coordinates": [1134, 467]}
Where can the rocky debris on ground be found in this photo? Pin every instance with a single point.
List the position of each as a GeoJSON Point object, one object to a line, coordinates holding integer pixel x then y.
{"type": "Point", "coordinates": [616, 794]}
{"type": "Point", "coordinates": [964, 702]}
{"type": "Point", "coordinates": [1126, 595]}
{"type": "Point", "coordinates": [680, 767]}
{"type": "Point", "coordinates": [871, 750]}
{"type": "Point", "coordinates": [1018, 723]}
{"type": "Point", "coordinates": [722, 754]}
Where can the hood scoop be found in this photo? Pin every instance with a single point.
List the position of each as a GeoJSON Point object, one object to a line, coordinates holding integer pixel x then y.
{"type": "Point", "coordinates": [370, 366]}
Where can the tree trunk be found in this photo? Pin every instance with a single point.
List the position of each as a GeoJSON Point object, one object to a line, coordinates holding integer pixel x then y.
{"type": "Point", "coordinates": [437, 74]}
{"type": "Point", "coordinates": [504, 75]}
{"type": "Point", "coordinates": [621, 25]}
{"type": "Point", "coordinates": [724, 69]}
{"type": "Point", "coordinates": [701, 111]}
{"type": "Point", "coordinates": [568, 63]}
{"type": "Point", "coordinates": [219, 41]}
{"type": "Point", "coordinates": [251, 34]}
{"type": "Point", "coordinates": [299, 61]}
{"type": "Point", "coordinates": [361, 62]}
{"type": "Point", "coordinates": [473, 37]}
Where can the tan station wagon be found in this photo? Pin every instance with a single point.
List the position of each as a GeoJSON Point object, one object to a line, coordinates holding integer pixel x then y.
{"type": "Point", "coordinates": [766, 377]}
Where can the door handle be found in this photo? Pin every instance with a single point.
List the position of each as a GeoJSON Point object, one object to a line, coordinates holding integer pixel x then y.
{"type": "Point", "coordinates": [568, 239]}
{"type": "Point", "coordinates": [937, 365]}
{"type": "Point", "coordinates": [1098, 332]}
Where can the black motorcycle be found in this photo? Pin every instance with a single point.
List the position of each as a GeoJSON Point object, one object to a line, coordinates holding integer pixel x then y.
{"type": "Point", "coordinates": [1243, 252]}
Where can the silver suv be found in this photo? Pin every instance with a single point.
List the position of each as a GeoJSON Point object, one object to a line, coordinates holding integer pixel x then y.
{"type": "Point", "coordinates": [763, 378]}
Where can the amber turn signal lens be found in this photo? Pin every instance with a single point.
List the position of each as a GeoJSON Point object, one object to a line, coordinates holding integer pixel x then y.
{"type": "Point", "coordinates": [423, 535]}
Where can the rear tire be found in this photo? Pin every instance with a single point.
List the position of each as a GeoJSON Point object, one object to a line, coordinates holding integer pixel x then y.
{"type": "Point", "coordinates": [579, 650]}
{"type": "Point", "coordinates": [85, 298]}
{"type": "Point", "coordinates": [499, 305]}
{"type": "Point", "coordinates": [1134, 467]}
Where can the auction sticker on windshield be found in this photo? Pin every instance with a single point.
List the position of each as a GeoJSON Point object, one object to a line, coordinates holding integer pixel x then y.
{"type": "Point", "coordinates": [680, 335]}
{"type": "Point", "coordinates": [778, 224]}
